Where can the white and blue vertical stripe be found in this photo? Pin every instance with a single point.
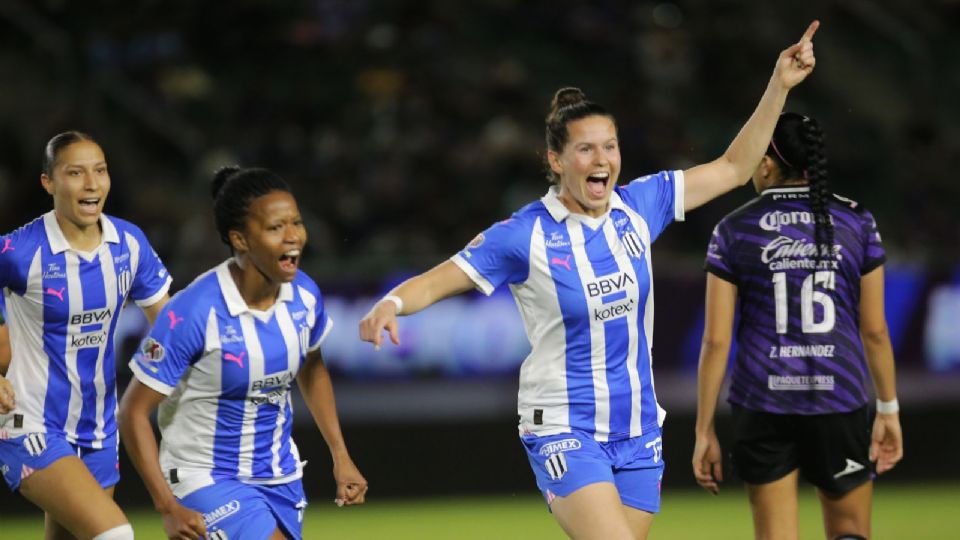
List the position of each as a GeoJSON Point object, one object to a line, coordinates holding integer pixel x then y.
{"type": "Point", "coordinates": [227, 370]}
{"type": "Point", "coordinates": [62, 307]}
{"type": "Point", "coordinates": [584, 287]}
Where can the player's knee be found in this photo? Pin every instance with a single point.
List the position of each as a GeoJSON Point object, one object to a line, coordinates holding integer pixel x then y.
{"type": "Point", "coordinates": [123, 532]}
{"type": "Point", "coordinates": [850, 537]}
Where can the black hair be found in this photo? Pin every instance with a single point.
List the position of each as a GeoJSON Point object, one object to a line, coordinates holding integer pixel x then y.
{"type": "Point", "coordinates": [568, 105]}
{"type": "Point", "coordinates": [233, 189]}
{"type": "Point", "coordinates": [798, 149]}
{"type": "Point", "coordinates": [56, 145]}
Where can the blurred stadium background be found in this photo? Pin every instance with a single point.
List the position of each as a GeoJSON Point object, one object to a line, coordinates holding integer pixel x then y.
{"type": "Point", "coordinates": [406, 127]}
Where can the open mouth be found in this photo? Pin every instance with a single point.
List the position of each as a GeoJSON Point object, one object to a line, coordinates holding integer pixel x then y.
{"type": "Point", "coordinates": [597, 184]}
{"type": "Point", "coordinates": [289, 260]}
{"type": "Point", "coordinates": [90, 205]}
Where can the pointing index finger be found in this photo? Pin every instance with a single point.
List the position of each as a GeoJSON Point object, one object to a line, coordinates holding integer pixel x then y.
{"type": "Point", "coordinates": [811, 30]}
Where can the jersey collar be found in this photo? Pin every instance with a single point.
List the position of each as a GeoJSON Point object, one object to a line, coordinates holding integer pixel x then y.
{"type": "Point", "coordinates": [58, 242]}
{"type": "Point", "coordinates": [236, 304]}
{"type": "Point", "coordinates": [559, 212]}
{"type": "Point", "coordinates": [800, 189]}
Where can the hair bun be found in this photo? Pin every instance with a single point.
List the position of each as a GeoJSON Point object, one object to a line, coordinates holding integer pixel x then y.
{"type": "Point", "coordinates": [566, 97]}
{"type": "Point", "coordinates": [220, 178]}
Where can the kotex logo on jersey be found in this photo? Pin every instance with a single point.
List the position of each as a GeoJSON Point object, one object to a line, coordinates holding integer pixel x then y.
{"type": "Point", "coordinates": [86, 340]}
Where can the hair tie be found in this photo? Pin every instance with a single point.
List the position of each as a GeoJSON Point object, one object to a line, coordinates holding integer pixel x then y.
{"type": "Point", "coordinates": [773, 145]}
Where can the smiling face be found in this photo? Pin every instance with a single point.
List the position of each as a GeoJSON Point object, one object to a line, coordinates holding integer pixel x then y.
{"type": "Point", "coordinates": [588, 166]}
{"type": "Point", "coordinates": [79, 183]}
{"type": "Point", "coordinates": [273, 237]}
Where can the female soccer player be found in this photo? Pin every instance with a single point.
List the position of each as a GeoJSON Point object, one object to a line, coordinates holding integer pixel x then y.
{"type": "Point", "coordinates": [578, 263]}
{"type": "Point", "coordinates": [65, 277]}
{"type": "Point", "coordinates": [221, 361]}
{"type": "Point", "coordinates": [806, 267]}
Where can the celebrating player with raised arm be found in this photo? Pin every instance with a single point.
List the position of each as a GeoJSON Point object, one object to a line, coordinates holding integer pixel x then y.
{"type": "Point", "coordinates": [578, 263]}
{"type": "Point", "coordinates": [65, 277]}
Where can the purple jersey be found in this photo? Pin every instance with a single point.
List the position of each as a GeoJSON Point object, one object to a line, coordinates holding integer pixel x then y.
{"type": "Point", "coordinates": [798, 339]}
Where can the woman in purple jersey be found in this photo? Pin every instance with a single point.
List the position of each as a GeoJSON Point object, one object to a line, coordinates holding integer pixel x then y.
{"type": "Point", "coordinates": [804, 266]}
{"type": "Point", "coordinates": [602, 483]}
{"type": "Point", "coordinates": [71, 479]}
{"type": "Point", "coordinates": [258, 218]}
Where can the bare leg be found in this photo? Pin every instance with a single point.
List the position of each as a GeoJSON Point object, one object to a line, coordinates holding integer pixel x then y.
{"type": "Point", "coordinates": [592, 512]}
{"type": "Point", "coordinates": [55, 531]}
{"type": "Point", "coordinates": [277, 535]}
{"type": "Point", "coordinates": [639, 520]}
{"type": "Point", "coordinates": [72, 498]}
{"type": "Point", "coordinates": [849, 513]}
{"type": "Point", "coordinates": [775, 508]}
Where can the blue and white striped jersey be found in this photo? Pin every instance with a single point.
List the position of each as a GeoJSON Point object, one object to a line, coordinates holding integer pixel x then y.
{"type": "Point", "coordinates": [585, 291]}
{"type": "Point", "coordinates": [61, 309]}
{"type": "Point", "coordinates": [227, 371]}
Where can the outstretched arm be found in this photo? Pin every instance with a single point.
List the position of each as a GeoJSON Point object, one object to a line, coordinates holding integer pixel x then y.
{"type": "Point", "coordinates": [417, 293]}
{"type": "Point", "coordinates": [136, 433]}
{"type": "Point", "coordinates": [317, 389]}
{"type": "Point", "coordinates": [717, 332]}
{"type": "Point", "coordinates": [886, 446]}
{"type": "Point", "coordinates": [710, 180]}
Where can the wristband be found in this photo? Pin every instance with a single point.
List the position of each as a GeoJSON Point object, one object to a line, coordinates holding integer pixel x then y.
{"type": "Point", "coordinates": [888, 407]}
{"type": "Point", "coordinates": [397, 301]}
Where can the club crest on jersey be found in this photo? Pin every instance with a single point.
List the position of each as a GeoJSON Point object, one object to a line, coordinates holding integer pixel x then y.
{"type": "Point", "coordinates": [304, 338]}
{"type": "Point", "coordinates": [151, 350]}
{"type": "Point", "coordinates": [124, 282]}
{"type": "Point", "coordinates": [556, 465]}
{"type": "Point", "coordinates": [633, 245]}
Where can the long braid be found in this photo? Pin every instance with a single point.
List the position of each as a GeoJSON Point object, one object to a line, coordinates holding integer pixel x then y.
{"type": "Point", "coordinates": [816, 174]}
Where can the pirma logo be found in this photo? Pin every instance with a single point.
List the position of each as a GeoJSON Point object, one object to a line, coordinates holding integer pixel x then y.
{"type": "Point", "coordinates": [566, 445]}
{"type": "Point", "coordinates": [221, 512]}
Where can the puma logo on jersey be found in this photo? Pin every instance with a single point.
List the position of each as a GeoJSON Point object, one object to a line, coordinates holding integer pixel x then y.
{"type": "Point", "coordinates": [238, 360]}
{"type": "Point", "coordinates": [58, 294]}
{"type": "Point", "coordinates": [561, 262]}
{"type": "Point", "coordinates": [852, 467]}
{"type": "Point", "coordinates": [6, 246]}
{"type": "Point", "coordinates": [174, 320]}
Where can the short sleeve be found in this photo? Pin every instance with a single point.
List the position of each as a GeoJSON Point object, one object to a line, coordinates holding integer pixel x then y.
{"type": "Point", "coordinates": [719, 261]}
{"type": "Point", "coordinates": [152, 280]}
{"type": "Point", "coordinates": [498, 255]}
{"type": "Point", "coordinates": [322, 324]}
{"type": "Point", "coordinates": [658, 198]}
{"type": "Point", "coordinates": [873, 252]}
{"type": "Point", "coordinates": [174, 343]}
{"type": "Point", "coordinates": [7, 251]}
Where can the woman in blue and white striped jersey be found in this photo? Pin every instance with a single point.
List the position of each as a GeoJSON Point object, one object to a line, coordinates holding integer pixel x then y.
{"type": "Point", "coordinates": [578, 263]}
{"type": "Point", "coordinates": [220, 363]}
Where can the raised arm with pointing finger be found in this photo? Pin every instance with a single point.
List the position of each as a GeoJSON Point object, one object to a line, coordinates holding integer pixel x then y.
{"type": "Point", "coordinates": [578, 262]}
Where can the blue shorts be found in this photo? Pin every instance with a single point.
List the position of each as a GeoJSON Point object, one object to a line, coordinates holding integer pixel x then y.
{"type": "Point", "coordinates": [566, 462]}
{"type": "Point", "coordinates": [22, 455]}
{"type": "Point", "coordinates": [250, 511]}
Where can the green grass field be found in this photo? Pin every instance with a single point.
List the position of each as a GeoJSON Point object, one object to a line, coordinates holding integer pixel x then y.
{"type": "Point", "coordinates": [900, 512]}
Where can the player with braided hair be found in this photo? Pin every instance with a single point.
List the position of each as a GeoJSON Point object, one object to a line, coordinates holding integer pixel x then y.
{"type": "Point", "coordinates": [806, 267]}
